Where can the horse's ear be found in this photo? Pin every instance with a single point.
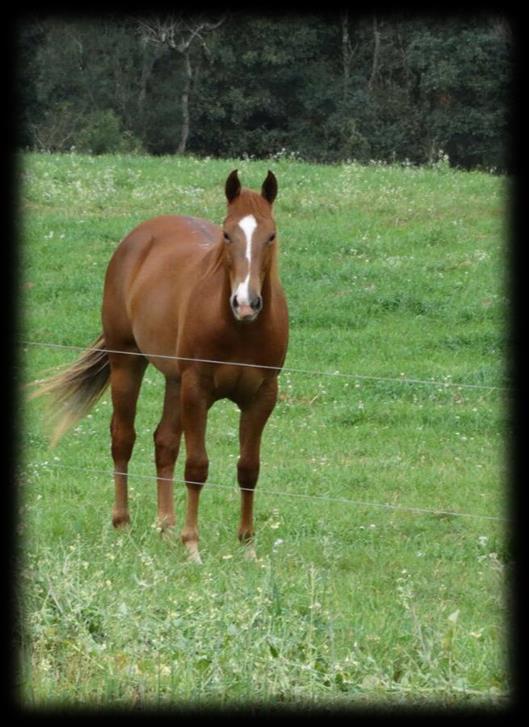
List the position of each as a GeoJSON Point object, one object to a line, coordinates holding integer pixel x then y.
{"type": "Point", "coordinates": [233, 186]}
{"type": "Point", "coordinates": [269, 188]}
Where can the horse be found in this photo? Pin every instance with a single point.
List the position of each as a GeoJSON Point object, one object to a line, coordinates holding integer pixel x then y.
{"type": "Point", "coordinates": [204, 304]}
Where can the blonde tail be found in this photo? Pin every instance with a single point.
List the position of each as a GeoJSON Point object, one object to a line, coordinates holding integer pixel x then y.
{"type": "Point", "coordinates": [75, 390]}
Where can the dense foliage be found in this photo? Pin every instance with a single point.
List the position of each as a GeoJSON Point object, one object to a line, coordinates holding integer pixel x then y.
{"type": "Point", "coordinates": [322, 87]}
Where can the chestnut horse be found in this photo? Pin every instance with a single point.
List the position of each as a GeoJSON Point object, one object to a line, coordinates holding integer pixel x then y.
{"type": "Point", "coordinates": [181, 293]}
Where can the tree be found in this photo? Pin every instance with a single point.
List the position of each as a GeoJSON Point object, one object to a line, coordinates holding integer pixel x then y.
{"type": "Point", "coordinates": [82, 68]}
{"type": "Point", "coordinates": [463, 82]}
{"type": "Point", "coordinates": [324, 87]}
{"type": "Point", "coordinates": [180, 33]}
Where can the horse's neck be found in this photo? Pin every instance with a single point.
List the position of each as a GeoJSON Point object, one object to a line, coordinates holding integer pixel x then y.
{"type": "Point", "coordinates": [214, 260]}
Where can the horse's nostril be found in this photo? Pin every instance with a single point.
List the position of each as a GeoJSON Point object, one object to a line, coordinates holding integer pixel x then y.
{"type": "Point", "coordinates": [257, 303]}
{"type": "Point", "coordinates": [235, 302]}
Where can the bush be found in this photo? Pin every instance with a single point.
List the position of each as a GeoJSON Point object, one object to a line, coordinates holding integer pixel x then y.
{"type": "Point", "coordinates": [65, 127]}
{"type": "Point", "coordinates": [58, 128]}
{"type": "Point", "coordinates": [101, 134]}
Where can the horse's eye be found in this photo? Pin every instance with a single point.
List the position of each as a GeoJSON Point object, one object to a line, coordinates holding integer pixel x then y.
{"type": "Point", "coordinates": [226, 237]}
{"type": "Point", "coordinates": [272, 237]}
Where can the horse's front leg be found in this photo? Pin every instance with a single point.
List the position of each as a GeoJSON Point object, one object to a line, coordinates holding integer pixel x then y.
{"type": "Point", "coordinates": [194, 410]}
{"type": "Point", "coordinates": [252, 422]}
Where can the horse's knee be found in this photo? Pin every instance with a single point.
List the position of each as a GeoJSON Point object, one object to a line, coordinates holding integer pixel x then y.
{"type": "Point", "coordinates": [247, 474]}
{"type": "Point", "coordinates": [122, 441]}
{"type": "Point", "coordinates": [196, 469]}
{"type": "Point", "coordinates": [166, 446]}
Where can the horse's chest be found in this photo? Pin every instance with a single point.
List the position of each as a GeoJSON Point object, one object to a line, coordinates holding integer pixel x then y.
{"type": "Point", "coordinates": [238, 383]}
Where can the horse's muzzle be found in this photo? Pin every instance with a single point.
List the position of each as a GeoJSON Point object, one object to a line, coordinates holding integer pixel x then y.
{"type": "Point", "coordinates": [245, 312]}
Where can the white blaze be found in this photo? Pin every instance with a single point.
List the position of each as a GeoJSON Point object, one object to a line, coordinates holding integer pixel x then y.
{"type": "Point", "coordinates": [247, 225]}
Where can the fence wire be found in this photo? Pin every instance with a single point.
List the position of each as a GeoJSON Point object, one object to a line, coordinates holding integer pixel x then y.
{"type": "Point", "coordinates": [438, 512]}
{"type": "Point", "coordinates": [284, 369]}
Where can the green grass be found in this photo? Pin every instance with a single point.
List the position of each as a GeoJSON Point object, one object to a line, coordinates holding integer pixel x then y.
{"type": "Point", "coordinates": [389, 272]}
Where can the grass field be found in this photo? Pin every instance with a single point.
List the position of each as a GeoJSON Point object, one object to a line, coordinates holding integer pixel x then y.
{"type": "Point", "coordinates": [355, 597]}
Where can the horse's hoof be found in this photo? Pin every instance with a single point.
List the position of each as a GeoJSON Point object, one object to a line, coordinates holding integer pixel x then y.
{"type": "Point", "coordinates": [120, 520]}
{"type": "Point", "coordinates": [166, 527]}
{"type": "Point", "coordinates": [168, 536]}
{"type": "Point", "coordinates": [193, 556]}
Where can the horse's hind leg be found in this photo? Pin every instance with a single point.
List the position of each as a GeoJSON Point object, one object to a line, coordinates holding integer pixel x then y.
{"type": "Point", "coordinates": [167, 443]}
{"type": "Point", "coordinates": [126, 373]}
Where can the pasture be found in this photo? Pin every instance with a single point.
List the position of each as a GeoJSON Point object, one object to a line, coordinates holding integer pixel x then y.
{"type": "Point", "coordinates": [382, 549]}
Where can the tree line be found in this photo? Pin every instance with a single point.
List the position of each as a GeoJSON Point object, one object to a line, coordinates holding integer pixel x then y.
{"type": "Point", "coordinates": [324, 88]}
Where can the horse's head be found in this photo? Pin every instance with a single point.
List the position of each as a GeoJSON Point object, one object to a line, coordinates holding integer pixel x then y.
{"type": "Point", "coordinates": [249, 241]}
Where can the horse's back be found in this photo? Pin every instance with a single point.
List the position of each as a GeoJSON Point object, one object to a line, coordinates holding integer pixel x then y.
{"type": "Point", "coordinates": [150, 273]}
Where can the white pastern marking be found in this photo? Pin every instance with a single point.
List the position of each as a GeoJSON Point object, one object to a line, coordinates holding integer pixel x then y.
{"type": "Point", "coordinates": [247, 225]}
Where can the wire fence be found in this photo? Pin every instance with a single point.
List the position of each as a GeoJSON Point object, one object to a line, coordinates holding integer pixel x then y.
{"type": "Point", "coordinates": [286, 369]}
{"type": "Point", "coordinates": [439, 512]}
